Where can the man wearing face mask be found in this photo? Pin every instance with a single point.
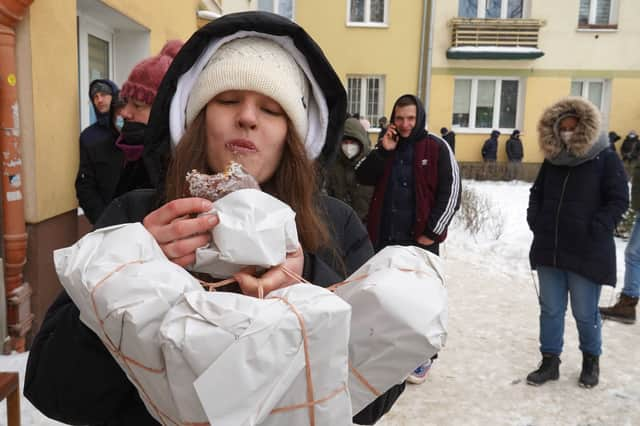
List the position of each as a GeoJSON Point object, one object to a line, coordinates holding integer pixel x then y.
{"type": "Point", "coordinates": [110, 168]}
{"type": "Point", "coordinates": [341, 182]}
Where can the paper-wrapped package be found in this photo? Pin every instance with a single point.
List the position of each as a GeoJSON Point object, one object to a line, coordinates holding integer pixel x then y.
{"type": "Point", "coordinates": [255, 229]}
{"type": "Point", "coordinates": [398, 320]}
{"type": "Point", "coordinates": [248, 361]}
{"type": "Point", "coordinates": [123, 285]}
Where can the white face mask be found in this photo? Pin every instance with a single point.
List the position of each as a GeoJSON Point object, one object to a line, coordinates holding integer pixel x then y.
{"type": "Point", "coordinates": [119, 122]}
{"type": "Point", "coordinates": [566, 136]}
{"type": "Point", "coordinates": [350, 150]}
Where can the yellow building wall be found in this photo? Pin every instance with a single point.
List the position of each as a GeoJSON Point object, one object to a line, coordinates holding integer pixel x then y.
{"type": "Point", "coordinates": [625, 106]}
{"type": "Point", "coordinates": [50, 157]}
{"type": "Point", "coordinates": [392, 51]}
{"type": "Point", "coordinates": [55, 111]}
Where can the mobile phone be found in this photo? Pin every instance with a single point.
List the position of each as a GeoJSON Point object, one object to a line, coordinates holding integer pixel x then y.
{"type": "Point", "coordinates": [396, 137]}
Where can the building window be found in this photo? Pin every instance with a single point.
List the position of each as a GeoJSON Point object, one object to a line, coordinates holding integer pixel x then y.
{"type": "Point", "coordinates": [490, 9]}
{"type": "Point", "coordinates": [596, 13]}
{"type": "Point", "coordinates": [593, 90]}
{"type": "Point", "coordinates": [365, 96]}
{"type": "Point", "coordinates": [484, 103]}
{"type": "Point", "coordinates": [281, 7]}
{"type": "Point", "coordinates": [371, 12]}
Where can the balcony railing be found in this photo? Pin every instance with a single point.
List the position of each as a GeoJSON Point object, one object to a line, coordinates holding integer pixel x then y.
{"type": "Point", "coordinates": [514, 37]}
{"type": "Point", "coordinates": [495, 32]}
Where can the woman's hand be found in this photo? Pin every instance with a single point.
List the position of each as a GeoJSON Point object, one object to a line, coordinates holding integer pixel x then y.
{"type": "Point", "coordinates": [177, 232]}
{"type": "Point", "coordinates": [274, 278]}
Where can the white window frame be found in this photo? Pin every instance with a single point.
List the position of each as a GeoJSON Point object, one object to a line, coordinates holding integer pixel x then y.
{"type": "Point", "coordinates": [276, 7]}
{"type": "Point", "coordinates": [593, 7]}
{"type": "Point", "coordinates": [88, 26]}
{"type": "Point", "coordinates": [585, 89]}
{"type": "Point", "coordinates": [496, 105]}
{"type": "Point", "coordinates": [367, 16]}
{"type": "Point", "coordinates": [482, 9]}
{"type": "Point", "coordinates": [364, 93]}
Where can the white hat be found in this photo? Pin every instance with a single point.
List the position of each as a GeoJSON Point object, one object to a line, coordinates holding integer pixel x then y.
{"type": "Point", "coordinates": [256, 64]}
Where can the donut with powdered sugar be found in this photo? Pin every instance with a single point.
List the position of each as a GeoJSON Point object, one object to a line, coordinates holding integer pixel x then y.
{"type": "Point", "coordinates": [214, 187]}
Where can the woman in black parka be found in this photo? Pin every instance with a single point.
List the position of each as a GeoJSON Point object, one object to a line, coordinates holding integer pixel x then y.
{"type": "Point", "coordinates": [575, 203]}
{"type": "Point", "coordinates": [251, 87]}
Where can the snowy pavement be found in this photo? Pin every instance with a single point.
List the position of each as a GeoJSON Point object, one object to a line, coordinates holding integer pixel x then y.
{"type": "Point", "coordinates": [493, 344]}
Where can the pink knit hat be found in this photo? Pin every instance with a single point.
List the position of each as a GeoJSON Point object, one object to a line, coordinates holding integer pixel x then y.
{"type": "Point", "coordinates": [144, 80]}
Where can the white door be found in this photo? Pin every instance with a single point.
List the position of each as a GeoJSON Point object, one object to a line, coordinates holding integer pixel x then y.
{"type": "Point", "coordinates": [95, 60]}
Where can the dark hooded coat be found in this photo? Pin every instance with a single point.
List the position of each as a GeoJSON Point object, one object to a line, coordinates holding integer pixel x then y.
{"type": "Point", "coordinates": [71, 377]}
{"type": "Point", "coordinates": [103, 128]}
{"type": "Point", "coordinates": [341, 180]}
{"type": "Point", "coordinates": [578, 197]}
{"type": "Point", "coordinates": [417, 187]}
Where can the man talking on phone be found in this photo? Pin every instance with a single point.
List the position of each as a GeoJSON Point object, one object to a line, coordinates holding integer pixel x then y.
{"type": "Point", "coordinates": [417, 186]}
{"type": "Point", "coordinates": [416, 179]}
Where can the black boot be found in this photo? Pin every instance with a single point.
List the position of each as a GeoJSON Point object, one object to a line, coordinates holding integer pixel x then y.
{"type": "Point", "coordinates": [590, 370]}
{"type": "Point", "coordinates": [549, 369]}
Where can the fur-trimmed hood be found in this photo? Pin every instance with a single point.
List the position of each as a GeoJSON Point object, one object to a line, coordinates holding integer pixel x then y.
{"type": "Point", "coordinates": [584, 137]}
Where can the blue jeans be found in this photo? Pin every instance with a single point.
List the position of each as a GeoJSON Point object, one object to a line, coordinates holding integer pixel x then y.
{"type": "Point", "coordinates": [556, 285]}
{"type": "Point", "coordinates": [632, 262]}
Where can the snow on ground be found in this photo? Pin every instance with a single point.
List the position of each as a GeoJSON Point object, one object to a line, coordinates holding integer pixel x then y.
{"type": "Point", "coordinates": [493, 342]}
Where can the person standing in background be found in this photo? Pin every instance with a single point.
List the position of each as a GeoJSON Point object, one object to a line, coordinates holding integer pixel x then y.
{"type": "Point", "coordinates": [515, 153]}
{"type": "Point", "coordinates": [450, 137]}
{"type": "Point", "coordinates": [342, 182]}
{"type": "Point", "coordinates": [624, 310]}
{"type": "Point", "coordinates": [111, 166]}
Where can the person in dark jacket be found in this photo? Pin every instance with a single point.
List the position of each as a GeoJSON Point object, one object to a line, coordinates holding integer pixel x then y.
{"type": "Point", "coordinates": [113, 165]}
{"type": "Point", "coordinates": [417, 186]}
{"type": "Point", "coordinates": [624, 310]}
{"type": "Point", "coordinates": [382, 125]}
{"type": "Point", "coordinates": [341, 182]}
{"type": "Point", "coordinates": [629, 149]}
{"type": "Point", "coordinates": [576, 201]}
{"type": "Point", "coordinates": [416, 179]}
{"type": "Point", "coordinates": [246, 99]}
{"type": "Point", "coordinates": [450, 137]}
{"type": "Point", "coordinates": [490, 147]}
{"type": "Point", "coordinates": [103, 93]}
{"type": "Point", "coordinates": [613, 138]}
{"type": "Point", "coordinates": [514, 155]}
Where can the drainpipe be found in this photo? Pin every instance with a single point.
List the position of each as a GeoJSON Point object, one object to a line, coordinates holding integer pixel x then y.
{"type": "Point", "coordinates": [19, 316]}
{"type": "Point", "coordinates": [423, 38]}
{"type": "Point", "coordinates": [429, 16]}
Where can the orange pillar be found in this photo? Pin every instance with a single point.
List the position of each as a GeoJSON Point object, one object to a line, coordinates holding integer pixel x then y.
{"type": "Point", "coordinates": [19, 316]}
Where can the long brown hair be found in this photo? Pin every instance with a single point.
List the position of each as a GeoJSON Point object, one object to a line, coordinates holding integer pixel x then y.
{"type": "Point", "coordinates": [294, 182]}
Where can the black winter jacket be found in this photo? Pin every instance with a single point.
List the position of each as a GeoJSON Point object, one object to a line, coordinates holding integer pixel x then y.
{"type": "Point", "coordinates": [574, 208]}
{"type": "Point", "coordinates": [99, 392]}
{"type": "Point", "coordinates": [490, 149]}
{"type": "Point", "coordinates": [514, 149]}
{"type": "Point", "coordinates": [98, 175]}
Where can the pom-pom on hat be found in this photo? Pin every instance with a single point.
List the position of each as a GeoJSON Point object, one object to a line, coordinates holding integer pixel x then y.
{"type": "Point", "coordinates": [259, 65]}
{"type": "Point", "coordinates": [144, 79]}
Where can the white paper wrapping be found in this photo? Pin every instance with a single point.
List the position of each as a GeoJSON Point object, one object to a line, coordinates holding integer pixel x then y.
{"type": "Point", "coordinates": [398, 320]}
{"type": "Point", "coordinates": [120, 277]}
{"type": "Point", "coordinates": [243, 357]}
{"type": "Point", "coordinates": [255, 229]}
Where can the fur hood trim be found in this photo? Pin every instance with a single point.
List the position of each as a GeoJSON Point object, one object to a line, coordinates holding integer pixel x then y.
{"type": "Point", "coordinates": [585, 135]}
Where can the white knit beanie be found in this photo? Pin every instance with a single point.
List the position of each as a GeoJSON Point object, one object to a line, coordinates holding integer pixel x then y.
{"type": "Point", "coordinates": [259, 65]}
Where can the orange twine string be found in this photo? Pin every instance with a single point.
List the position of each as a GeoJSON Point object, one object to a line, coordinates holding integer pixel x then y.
{"type": "Point", "coordinates": [127, 360]}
